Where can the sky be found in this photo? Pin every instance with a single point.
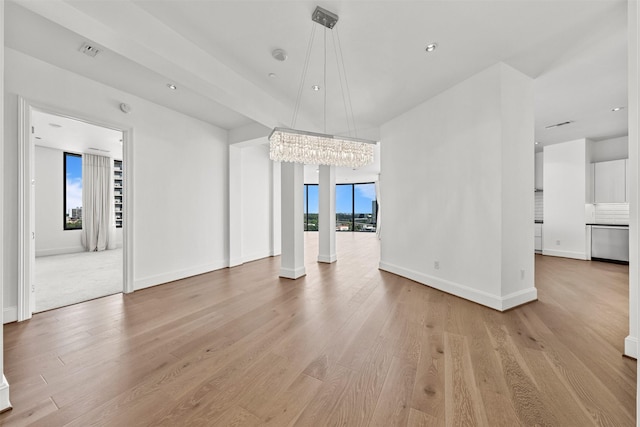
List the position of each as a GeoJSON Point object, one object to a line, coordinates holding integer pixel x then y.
{"type": "Point", "coordinates": [74, 182]}
{"type": "Point", "coordinates": [365, 193]}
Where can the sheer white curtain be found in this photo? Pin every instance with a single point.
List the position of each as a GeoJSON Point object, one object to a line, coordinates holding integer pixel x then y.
{"type": "Point", "coordinates": [98, 208]}
{"type": "Point", "coordinates": [379, 204]}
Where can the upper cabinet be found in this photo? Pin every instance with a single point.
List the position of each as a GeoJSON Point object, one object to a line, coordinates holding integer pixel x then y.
{"type": "Point", "coordinates": [610, 182]}
{"type": "Point", "coordinates": [538, 171]}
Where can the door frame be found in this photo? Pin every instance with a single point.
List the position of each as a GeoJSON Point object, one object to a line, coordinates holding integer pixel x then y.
{"type": "Point", "coordinates": [26, 200]}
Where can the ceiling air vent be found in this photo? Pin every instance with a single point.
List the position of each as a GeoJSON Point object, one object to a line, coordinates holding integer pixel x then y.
{"type": "Point", "coordinates": [99, 149]}
{"type": "Point", "coordinates": [89, 50]}
{"type": "Point", "coordinates": [557, 125]}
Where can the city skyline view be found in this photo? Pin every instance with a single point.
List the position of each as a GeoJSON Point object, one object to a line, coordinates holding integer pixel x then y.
{"type": "Point", "coordinates": [364, 195]}
{"type": "Point", "coordinates": [356, 207]}
{"type": "Point", "coordinates": [73, 183]}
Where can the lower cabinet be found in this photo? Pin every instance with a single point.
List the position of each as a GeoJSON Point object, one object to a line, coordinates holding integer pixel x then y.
{"type": "Point", "coordinates": [538, 238]}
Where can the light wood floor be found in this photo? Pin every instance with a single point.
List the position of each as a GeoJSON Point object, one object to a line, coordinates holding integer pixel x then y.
{"type": "Point", "coordinates": [347, 345]}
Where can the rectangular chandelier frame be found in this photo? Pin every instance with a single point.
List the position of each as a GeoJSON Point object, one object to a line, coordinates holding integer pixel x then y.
{"type": "Point", "coordinates": [292, 145]}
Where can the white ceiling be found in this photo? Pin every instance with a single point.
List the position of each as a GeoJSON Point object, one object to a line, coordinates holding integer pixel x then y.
{"type": "Point", "coordinates": [75, 136]}
{"type": "Point", "coordinates": [219, 55]}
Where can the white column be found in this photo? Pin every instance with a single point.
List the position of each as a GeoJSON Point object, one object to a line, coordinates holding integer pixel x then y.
{"type": "Point", "coordinates": [235, 206]}
{"type": "Point", "coordinates": [327, 214]}
{"type": "Point", "coordinates": [631, 341]}
{"type": "Point", "coordinates": [292, 185]}
{"type": "Point", "coordinates": [4, 385]}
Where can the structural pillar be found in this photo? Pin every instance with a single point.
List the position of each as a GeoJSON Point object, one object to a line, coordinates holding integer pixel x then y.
{"type": "Point", "coordinates": [292, 202]}
{"type": "Point", "coordinates": [633, 75]}
{"type": "Point", "coordinates": [5, 404]}
{"type": "Point", "coordinates": [327, 214]}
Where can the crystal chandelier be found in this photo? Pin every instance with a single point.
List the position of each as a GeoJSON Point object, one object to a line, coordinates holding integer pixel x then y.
{"type": "Point", "coordinates": [291, 145]}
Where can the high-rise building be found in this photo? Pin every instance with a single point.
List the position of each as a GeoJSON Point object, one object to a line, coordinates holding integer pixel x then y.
{"type": "Point", "coordinates": [76, 213]}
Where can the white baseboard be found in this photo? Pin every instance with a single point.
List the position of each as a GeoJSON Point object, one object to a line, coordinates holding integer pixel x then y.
{"type": "Point", "coordinates": [327, 258]}
{"type": "Point", "coordinates": [256, 256]}
{"type": "Point", "coordinates": [565, 254]}
{"type": "Point", "coordinates": [10, 314]}
{"type": "Point", "coordinates": [59, 251]}
{"type": "Point", "coordinates": [290, 273]}
{"type": "Point", "coordinates": [160, 279]}
{"type": "Point", "coordinates": [234, 262]}
{"type": "Point", "coordinates": [4, 395]}
{"type": "Point", "coordinates": [631, 347]}
{"type": "Point", "coordinates": [496, 302]}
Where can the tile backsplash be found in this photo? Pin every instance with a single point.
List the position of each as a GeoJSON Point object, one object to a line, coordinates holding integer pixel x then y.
{"type": "Point", "coordinates": [538, 206]}
{"type": "Point", "coordinates": [607, 213]}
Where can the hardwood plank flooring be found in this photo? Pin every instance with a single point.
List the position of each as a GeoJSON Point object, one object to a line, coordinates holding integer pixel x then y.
{"type": "Point", "coordinates": [347, 345]}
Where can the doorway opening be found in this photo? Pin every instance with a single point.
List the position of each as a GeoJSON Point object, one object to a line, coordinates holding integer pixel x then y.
{"type": "Point", "coordinates": [68, 162]}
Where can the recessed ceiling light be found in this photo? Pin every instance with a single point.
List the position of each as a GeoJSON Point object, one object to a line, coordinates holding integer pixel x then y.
{"type": "Point", "coordinates": [431, 47]}
{"type": "Point", "coordinates": [315, 87]}
{"type": "Point", "coordinates": [617, 109]}
{"type": "Point", "coordinates": [272, 75]}
{"type": "Point", "coordinates": [55, 125]}
{"type": "Point", "coordinates": [537, 142]}
{"type": "Point", "coordinates": [172, 86]}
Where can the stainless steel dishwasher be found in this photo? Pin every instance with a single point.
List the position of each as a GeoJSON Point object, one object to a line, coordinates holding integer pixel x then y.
{"type": "Point", "coordinates": [610, 243]}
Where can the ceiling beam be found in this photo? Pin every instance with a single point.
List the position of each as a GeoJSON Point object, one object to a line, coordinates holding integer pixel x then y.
{"type": "Point", "coordinates": [136, 35]}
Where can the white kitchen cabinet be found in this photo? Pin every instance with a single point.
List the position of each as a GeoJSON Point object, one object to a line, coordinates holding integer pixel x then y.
{"type": "Point", "coordinates": [538, 237]}
{"type": "Point", "coordinates": [539, 162]}
{"type": "Point", "coordinates": [610, 182]}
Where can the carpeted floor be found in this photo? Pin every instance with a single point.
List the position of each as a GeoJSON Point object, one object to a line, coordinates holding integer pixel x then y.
{"type": "Point", "coordinates": [68, 279]}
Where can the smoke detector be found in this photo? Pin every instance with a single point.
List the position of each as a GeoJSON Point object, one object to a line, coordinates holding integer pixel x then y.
{"type": "Point", "coordinates": [279, 54]}
{"type": "Point", "coordinates": [89, 50]}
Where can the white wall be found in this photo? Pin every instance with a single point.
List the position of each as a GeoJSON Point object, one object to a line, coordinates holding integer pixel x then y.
{"type": "Point", "coordinates": [51, 237]}
{"type": "Point", "coordinates": [180, 176]}
{"type": "Point", "coordinates": [610, 149]}
{"type": "Point", "coordinates": [256, 194]}
{"type": "Point", "coordinates": [565, 187]}
{"type": "Point", "coordinates": [456, 189]}
{"type": "Point", "coordinates": [254, 190]}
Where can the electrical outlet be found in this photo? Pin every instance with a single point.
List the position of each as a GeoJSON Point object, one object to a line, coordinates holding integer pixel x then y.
{"type": "Point", "coordinates": [436, 265]}
{"type": "Point", "coordinates": [521, 274]}
{"type": "Point", "coordinates": [557, 242]}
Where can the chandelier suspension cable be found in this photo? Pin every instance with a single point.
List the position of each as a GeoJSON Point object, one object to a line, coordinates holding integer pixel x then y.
{"type": "Point", "coordinates": [344, 99]}
{"type": "Point", "coordinates": [324, 81]}
{"type": "Point", "coordinates": [300, 146]}
{"type": "Point", "coordinates": [346, 82]}
{"type": "Point", "coordinates": [303, 77]}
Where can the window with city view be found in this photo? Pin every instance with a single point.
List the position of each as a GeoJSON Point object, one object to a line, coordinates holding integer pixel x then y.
{"type": "Point", "coordinates": [311, 207]}
{"type": "Point", "coordinates": [72, 191]}
{"type": "Point", "coordinates": [356, 207]}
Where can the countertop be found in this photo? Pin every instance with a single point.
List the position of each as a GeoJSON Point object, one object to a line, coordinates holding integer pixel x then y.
{"type": "Point", "coordinates": [608, 225]}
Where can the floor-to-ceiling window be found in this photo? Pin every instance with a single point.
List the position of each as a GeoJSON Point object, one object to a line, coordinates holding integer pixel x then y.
{"type": "Point", "coordinates": [356, 207]}
{"type": "Point", "coordinates": [344, 207]}
{"type": "Point", "coordinates": [365, 207]}
{"type": "Point", "coordinates": [311, 207]}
